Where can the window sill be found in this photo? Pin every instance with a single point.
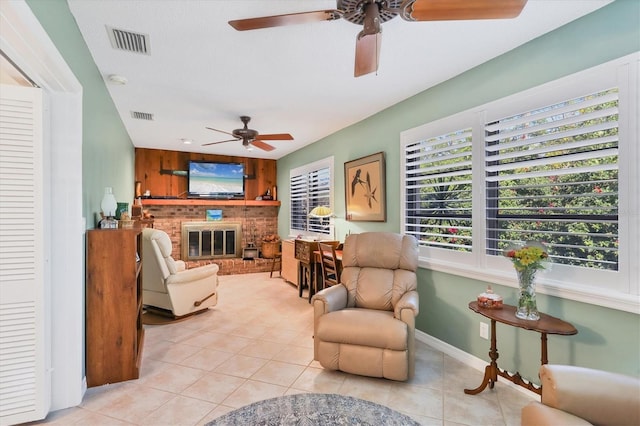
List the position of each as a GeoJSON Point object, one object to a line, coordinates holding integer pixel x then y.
{"type": "Point", "coordinates": [607, 299]}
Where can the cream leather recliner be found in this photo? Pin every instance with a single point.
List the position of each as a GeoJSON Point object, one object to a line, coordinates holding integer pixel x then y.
{"type": "Point", "coordinates": [583, 396]}
{"type": "Point", "coordinates": [167, 285]}
{"type": "Point", "coordinates": [366, 324]}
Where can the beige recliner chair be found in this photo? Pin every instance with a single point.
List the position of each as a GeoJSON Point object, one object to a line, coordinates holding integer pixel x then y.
{"type": "Point", "coordinates": [583, 396]}
{"type": "Point", "coordinates": [366, 324]}
{"type": "Point", "coordinates": [167, 285]}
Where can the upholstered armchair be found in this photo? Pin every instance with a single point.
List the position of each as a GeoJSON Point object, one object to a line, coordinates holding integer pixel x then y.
{"type": "Point", "coordinates": [583, 396]}
{"type": "Point", "coordinates": [366, 324]}
{"type": "Point", "coordinates": [168, 285]}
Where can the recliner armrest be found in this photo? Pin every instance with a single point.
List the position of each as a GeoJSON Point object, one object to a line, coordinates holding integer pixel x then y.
{"type": "Point", "coordinates": [180, 265]}
{"type": "Point", "coordinates": [537, 414]}
{"type": "Point", "coordinates": [195, 274]}
{"type": "Point", "coordinates": [333, 298]}
{"type": "Point", "coordinates": [409, 300]}
{"type": "Point", "coordinates": [599, 397]}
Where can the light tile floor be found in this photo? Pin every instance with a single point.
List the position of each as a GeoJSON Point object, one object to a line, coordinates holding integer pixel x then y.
{"type": "Point", "coordinates": [257, 344]}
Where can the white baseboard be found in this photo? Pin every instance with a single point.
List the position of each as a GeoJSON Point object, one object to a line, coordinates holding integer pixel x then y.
{"type": "Point", "coordinates": [467, 359]}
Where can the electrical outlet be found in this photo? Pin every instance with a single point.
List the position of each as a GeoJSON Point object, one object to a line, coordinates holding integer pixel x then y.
{"type": "Point", "coordinates": [484, 330]}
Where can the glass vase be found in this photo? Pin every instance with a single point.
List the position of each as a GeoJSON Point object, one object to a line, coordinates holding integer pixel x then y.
{"type": "Point", "coordinates": [527, 308]}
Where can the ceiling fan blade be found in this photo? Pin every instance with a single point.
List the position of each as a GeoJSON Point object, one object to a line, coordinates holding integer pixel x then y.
{"type": "Point", "coordinates": [367, 53]}
{"type": "Point", "coordinates": [262, 145]}
{"type": "Point", "coordinates": [221, 131]}
{"type": "Point", "coordinates": [276, 137]}
{"type": "Point", "coordinates": [215, 143]}
{"type": "Point", "coordinates": [282, 20]}
{"type": "Point", "coordinates": [453, 10]}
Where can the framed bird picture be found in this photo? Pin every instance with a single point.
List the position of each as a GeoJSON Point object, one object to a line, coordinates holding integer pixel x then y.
{"type": "Point", "coordinates": [365, 194]}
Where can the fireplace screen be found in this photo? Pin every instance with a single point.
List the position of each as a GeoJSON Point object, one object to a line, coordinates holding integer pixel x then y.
{"type": "Point", "coordinates": [206, 240]}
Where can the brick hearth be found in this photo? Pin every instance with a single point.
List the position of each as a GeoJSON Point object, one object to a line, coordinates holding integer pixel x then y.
{"type": "Point", "coordinates": [257, 221]}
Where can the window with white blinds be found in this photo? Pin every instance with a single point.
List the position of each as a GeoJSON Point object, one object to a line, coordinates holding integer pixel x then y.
{"type": "Point", "coordinates": [556, 164]}
{"type": "Point", "coordinates": [311, 186]}
{"type": "Point", "coordinates": [438, 190]}
{"type": "Point", "coordinates": [552, 176]}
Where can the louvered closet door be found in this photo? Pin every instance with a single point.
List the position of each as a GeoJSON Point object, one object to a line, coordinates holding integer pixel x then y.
{"type": "Point", "coordinates": [24, 383]}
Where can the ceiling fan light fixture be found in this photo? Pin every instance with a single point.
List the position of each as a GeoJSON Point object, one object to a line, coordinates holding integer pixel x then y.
{"type": "Point", "coordinates": [247, 145]}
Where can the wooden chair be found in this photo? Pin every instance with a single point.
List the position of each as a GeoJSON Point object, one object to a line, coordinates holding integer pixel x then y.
{"type": "Point", "coordinates": [330, 269]}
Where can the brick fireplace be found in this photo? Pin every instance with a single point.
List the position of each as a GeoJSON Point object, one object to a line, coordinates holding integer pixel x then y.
{"type": "Point", "coordinates": [211, 240]}
{"type": "Point", "coordinates": [255, 221]}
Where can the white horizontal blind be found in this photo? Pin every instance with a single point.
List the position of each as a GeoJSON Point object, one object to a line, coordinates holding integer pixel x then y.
{"type": "Point", "coordinates": [552, 176]}
{"type": "Point", "coordinates": [438, 190]}
{"type": "Point", "coordinates": [299, 202]}
{"type": "Point", "coordinates": [309, 189]}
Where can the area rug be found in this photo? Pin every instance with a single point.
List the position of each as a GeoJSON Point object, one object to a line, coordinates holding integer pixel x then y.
{"type": "Point", "coordinates": [314, 409]}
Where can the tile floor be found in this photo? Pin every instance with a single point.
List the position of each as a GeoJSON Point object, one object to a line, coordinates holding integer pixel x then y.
{"type": "Point", "coordinates": [256, 344]}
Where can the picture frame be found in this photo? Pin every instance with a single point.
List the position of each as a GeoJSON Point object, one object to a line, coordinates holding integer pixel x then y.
{"type": "Point", "coordinates": [365, 190]}
{"type": "Point", "coordinates": [214, 215]}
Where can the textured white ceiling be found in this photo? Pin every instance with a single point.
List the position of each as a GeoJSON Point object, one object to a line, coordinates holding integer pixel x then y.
{"type": "Point", "coordinates": [296, 79]}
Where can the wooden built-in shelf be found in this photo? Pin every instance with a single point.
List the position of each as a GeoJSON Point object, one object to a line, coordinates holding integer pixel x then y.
{"type": "Point", "coordinates": [198, 202]}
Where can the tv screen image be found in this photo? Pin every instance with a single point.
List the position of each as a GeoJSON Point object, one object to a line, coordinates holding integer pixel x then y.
{"type": "Point", "coordinates": [216, 180]}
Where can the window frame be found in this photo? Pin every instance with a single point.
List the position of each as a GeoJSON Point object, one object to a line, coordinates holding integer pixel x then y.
{"type": "Point", "coordinates": [307, 169]}
{"type": "Point", "coordinates": [615, 289]}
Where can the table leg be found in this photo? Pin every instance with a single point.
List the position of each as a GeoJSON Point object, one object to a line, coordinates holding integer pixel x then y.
{"type": "Point", "coordinates": [300, 279]}
{"type": "Point", "coordinates": [311, 280]}
{"type": "Point", "coordinates": [319, 280]}
{"type": "Point", "coordinates": [491, 370]}
{"type": "Point", "coordinates": [543, 339]}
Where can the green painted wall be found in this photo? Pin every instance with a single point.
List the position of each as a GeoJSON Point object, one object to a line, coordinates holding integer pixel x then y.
{"type": "Point", "coordinates": [607, 339]}
{"type": "Point", "coordinates": [107, 151]}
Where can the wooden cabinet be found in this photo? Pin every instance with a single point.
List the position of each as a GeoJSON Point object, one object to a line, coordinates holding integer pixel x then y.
{"type": "Point", "coordinates": [289, 262]}
{"type": "Point", "coordinates": [114, 331]}
{"type": "Point", "coordinates": [163, 172]}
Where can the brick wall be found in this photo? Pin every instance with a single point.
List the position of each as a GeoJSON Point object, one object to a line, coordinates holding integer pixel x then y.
{"type": "Point", "coordinates": [257, 221]}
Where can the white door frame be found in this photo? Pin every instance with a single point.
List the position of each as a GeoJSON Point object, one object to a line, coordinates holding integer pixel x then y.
{"type": "Point", "coordinates": [27, 44]}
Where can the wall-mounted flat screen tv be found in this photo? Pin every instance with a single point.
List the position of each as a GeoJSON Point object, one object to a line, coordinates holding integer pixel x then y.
{"type": "Point", "coordinates": [216, 180]}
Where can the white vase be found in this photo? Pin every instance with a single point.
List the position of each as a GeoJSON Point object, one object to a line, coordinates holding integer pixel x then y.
{"type": "Point", "coordinates": [108, 204]}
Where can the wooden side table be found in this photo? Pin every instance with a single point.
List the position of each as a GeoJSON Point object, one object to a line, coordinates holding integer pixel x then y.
{"type": "Point", "coordinates": [507, 315]}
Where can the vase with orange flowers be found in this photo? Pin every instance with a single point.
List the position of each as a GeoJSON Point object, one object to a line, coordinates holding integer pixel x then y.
{"type": "Point", "coordinates": [527, 261]}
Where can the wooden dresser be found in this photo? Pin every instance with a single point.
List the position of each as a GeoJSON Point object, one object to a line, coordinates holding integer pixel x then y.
{"type": "Point", "coordinates": [114, 331]}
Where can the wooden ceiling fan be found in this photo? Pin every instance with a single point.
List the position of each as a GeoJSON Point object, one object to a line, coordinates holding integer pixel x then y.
{"type": "Point", "coordinates": [372, 13]}
{"type": "Point", "coordinates": [250, 137]}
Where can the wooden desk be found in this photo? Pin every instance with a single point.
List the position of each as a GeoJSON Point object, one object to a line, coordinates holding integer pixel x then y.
{"type": "Point", "coordinates": [545, 325]}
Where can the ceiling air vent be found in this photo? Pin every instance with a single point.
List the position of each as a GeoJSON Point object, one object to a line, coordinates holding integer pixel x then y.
{"type": "Point", "coordinates": [129, 41]}
{"type": "Point", "coordinates": [141, 115]}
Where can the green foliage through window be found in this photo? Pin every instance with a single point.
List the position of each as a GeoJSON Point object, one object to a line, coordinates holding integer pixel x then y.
{"type": "Point", "coordinates": [550, 175]}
